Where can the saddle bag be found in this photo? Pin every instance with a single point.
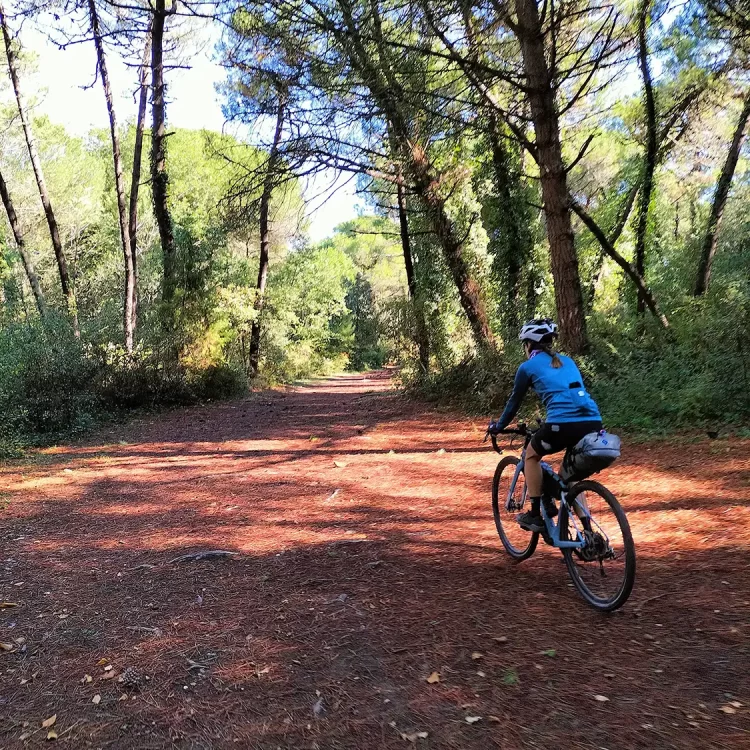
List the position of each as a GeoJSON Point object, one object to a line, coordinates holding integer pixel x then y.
{"type": "Point", "coordinates": [591, 454]}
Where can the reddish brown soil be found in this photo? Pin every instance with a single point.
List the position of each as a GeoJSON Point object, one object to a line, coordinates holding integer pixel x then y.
{"type": "Point", "coordinates": [367, 560]}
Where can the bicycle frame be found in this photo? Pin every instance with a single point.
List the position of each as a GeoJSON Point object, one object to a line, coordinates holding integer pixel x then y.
{"type": "Point", "coordinates": [553, 529]}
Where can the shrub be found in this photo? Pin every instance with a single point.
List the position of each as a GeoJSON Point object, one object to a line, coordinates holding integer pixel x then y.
{"type": "Point", "coordinates": [156, 378]}
{"type": "Point", "coordinates": [46, 379]}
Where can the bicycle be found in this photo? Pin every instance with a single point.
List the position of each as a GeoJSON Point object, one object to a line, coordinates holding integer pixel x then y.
{"type": "Point", "coordinates": [579, 532]}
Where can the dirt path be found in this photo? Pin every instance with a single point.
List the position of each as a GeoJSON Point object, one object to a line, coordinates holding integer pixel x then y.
{"type": "Point", "coordinates": [367, 560]}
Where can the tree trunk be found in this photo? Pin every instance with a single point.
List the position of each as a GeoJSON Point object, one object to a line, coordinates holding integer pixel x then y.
{"type": "Point", "coordinates": [427, 186]}
{"type": "Point", "coordinates": [515, 238]}
{"type": "Point", "coordinates": [62, 265]}
{"type": "Point", "coordinates": [265, 235]}
{"type": "Point", "coordinates": [122, 208]}
{"type": "Point", "coordinates": [159, 176]}
{"type": "Point", "coordinates": [28, 264]}
{"type": "Point", "coordinates": [425, 178]}
{"type": "Point", "coordinates": [421, 337]}
{"type": "Point", "coordinates": [650, 155]}
{"type": "Point", "coordinates": [563, 257]}
{"type": "Point", "coordinates": [135, 181]}
{"type": "Point", "coordinates": [710, 240]}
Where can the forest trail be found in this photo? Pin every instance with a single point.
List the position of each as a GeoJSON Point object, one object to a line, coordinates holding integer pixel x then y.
{"type": "Point", "coordinates": [367, 559]}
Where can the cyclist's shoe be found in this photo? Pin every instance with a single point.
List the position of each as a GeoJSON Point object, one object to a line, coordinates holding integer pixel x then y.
{"type": "Point", "coordinates": [550, 508]}
{"type": "Point", "coordinates": [530, 522]}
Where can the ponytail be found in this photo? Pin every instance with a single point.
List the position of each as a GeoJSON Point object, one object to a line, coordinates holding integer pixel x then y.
{"type": "Point", "coordinates": [547, 349]}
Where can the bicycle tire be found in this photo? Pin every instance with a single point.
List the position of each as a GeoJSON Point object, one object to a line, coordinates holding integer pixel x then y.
{"type": "Point", "coordinates": [608, 604]}
{"type": "Point", "coordinates": [517, 553]}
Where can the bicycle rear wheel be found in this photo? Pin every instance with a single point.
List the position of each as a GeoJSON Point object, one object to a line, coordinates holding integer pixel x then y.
{"type": "Point", "coordinates": [603, 570]}
{"type": "Point", "coordinates": [519, 543]}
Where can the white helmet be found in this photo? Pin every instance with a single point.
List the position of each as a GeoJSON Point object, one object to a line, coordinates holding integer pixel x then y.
{"type": "Point", "coordinates": [536, 330]}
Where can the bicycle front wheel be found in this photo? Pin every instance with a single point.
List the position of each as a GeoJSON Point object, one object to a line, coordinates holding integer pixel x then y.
{"type": "Point", "coordinates": [603, 570]}
{"type": "Point", "coordinates": [519, 543]}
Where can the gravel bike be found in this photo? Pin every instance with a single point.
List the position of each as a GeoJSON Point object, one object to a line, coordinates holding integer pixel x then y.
{"type": "Point", "coordinates": [592, 530]}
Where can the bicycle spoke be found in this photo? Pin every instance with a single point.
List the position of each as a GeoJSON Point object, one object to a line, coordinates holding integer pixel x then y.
{"type": "Point", "coordinates": [603, 569]}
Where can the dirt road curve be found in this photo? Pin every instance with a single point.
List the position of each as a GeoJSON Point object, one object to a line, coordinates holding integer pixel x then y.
{"type": "Point", "coordinates": [367, 560]}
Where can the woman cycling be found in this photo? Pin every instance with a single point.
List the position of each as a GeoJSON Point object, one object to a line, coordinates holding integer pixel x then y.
{"type": "Point", "coordinates": [571, 412]}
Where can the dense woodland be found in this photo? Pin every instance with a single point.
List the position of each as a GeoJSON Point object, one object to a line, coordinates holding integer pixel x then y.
{"type": "Point", "coordinates": [576, 158]}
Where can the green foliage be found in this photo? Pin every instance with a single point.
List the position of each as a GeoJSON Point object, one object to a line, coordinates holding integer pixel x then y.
{"type": "Point", "coordinates": [367, 350]}
{"type": "Point", "coordinates": [698, 374]}
{"type": "Point", "coordinates": [306, 328]}
{"type": "Point", "coordinates": [46, 380]}
{"type": "Point", "coordinates": [155, 378]}
{"type": "Point", "coordinates": [478, 385]}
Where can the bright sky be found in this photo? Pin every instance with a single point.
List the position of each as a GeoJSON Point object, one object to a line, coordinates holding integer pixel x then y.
{"type": "Point", "coordinates": [63, 76]}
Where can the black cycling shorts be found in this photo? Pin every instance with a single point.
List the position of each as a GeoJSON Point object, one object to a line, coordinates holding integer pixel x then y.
{"type": "Point", "coordinates": [553, 438]}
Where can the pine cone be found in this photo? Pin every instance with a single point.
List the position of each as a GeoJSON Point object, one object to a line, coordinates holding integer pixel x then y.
{"type": "Point", "coordinates": [131, 678]}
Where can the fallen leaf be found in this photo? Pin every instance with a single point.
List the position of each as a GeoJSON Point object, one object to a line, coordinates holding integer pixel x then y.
{"type": "Point", "coordinates": [501, 639]}
{"type": "Point", "coordinates": [736, 704]}
{"type": "Point", "coordinates": [51, 735]}
{"type": "Point", "coordinates": [340, 464]}
{"type": "Point", "coordinates": [495, 719]}
{"type": "Point", "coordinates": [47, 723]}
{"type": "Point", "coordinates": [472, 719]}
{"type": "Point", "coordinates": [481, 674]}
{"type": "Point", "coordinates": [318, 707]}
{"type": "Point", "coordinates": [97, 699]}
{"type": "Point", "coordinates": [6, 646]}
{"type": "Point", "coordinates": [107, 676]}
{"type": "Point", "coordinates": [441, 451]}
{"type": "Point", "coordinates": [123, 697]}
{"type": "Point", "coordinates": [477, 655]}
{"type": "Point", "coordinates": [87, 679]}
{"type": "Point", "coordinates": [102, 662]}
{"type": "Point", "coordinates": [7, 605]}
{"type": "Point", "coordinates": [601, 698]}
{"type": "Point", "coordinates": [25, 736]}
{"type": "Point", "coordinates": [728, 709]}
{"type": "Point", "coordinates": [108, 668]}
{"type": "Point", "coordinates": [433, 678]}
{"type": "Point", "coordinates": [414, 736]}
{"type": "Point", "coordinates": [510, 677]}
{"type": "Point", "coordinates": [548, 652]}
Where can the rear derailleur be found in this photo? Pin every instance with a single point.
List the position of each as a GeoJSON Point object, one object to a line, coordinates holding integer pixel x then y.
{"type": "Point", "coordinates": [595, 548]}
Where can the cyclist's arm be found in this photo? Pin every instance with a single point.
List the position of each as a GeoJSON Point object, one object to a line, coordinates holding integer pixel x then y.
{"type": "Point", "coordinates": [520, 386]}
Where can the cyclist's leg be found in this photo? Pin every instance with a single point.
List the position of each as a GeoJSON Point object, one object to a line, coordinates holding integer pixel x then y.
{"type": "Point", "coordinates": [550, 438]}
{"type": "Point", "coordinates": [532, 469]}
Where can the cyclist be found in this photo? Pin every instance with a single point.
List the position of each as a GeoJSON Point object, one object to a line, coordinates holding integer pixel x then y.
{"type": "Point", "coordinates": [571, 412]}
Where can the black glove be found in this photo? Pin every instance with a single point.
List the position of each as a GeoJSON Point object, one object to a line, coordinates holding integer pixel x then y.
{"type": "Point", "coordinates": [495, 428]}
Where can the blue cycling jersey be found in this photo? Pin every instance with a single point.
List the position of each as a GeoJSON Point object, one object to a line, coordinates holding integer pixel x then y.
{"type": "Point", "coordinates": [560, 389]}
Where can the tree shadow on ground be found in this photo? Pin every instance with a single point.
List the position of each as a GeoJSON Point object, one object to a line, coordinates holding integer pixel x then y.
{"type": "Point", "coordinates": [358, 574]}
